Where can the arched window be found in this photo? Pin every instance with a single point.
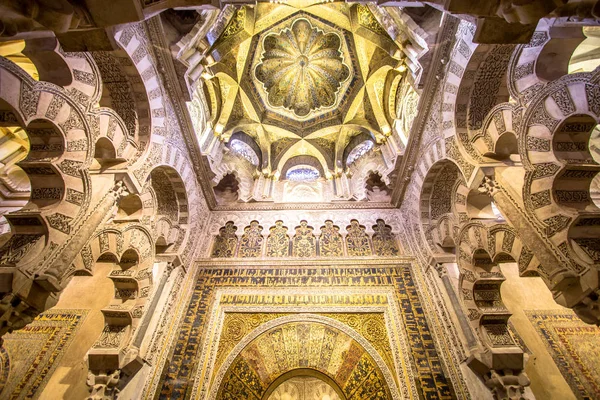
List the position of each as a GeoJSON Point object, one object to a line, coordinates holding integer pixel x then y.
{"type": "Point", "coordinates": [244, 150]}
{"type": "Point", "coordinates": [360, 150]}
{"type": "Point", "coordinates": [302, 173]}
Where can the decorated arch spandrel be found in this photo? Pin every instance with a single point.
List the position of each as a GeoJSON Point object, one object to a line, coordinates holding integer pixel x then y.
{"type": "Point", "coordinates": [287, 344]}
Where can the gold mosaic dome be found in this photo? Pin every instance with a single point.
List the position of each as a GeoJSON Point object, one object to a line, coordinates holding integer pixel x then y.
{"type": "Point", "coordinates": [299, 92]}
{"type": "Point", "coordinates": [302, 68]}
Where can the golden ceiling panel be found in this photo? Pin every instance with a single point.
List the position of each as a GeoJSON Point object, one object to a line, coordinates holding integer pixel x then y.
{"type": "Point", "coordinates": [302, 68]}
{"type": "Point", "coordinates": [302, 72]}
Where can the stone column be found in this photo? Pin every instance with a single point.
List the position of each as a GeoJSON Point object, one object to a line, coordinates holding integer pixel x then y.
{"type": "Point", "coordinates": [33, 296]}
{"type": "Point", "coordinates": [50, 278]}
{"type": "Point", "coordinates": [211, 145]}
{"type": "Point", "coordinates": [264, 244]}
{"type": "Point", "coordinates": [206, 138]}
{"type": "Point", "coordinates": [344, 234]}
{"type": "Point", "coordinates": [390, 150]}
{"type": "Point", "coordinates": [263, 188]}
{"type": "Point", "coordinates": [19, 307]}
{"type": "Point", "coordinates": [151, 308]}
{"type": "Point", "coordinates": [465, 326]}
{"type": "Point", "coordinates": [341, 186]}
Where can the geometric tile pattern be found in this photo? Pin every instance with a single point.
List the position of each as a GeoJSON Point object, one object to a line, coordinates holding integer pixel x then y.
{"type": "Point", "coordinates": [35, 351]}
{"type": "Point", "coordinates": [574, 346]}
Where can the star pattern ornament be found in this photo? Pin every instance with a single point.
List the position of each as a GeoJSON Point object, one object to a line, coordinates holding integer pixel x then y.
{"type": "Point", "coordinates": [302, 68]}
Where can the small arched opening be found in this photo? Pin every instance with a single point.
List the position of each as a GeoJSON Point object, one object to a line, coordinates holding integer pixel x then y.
{"type": "Point", "coordinates": [302, 168]}
{"type": "Point", "coordinates": [357, 147]}
{"type": "Point", "coordinates": [129, 259]}
{"type": "Point", "coordinates": [303, 384]}
{"type": "Point", "coordinates": [39, 58]}
{"type": "Point", "coordinates": [572, 145]}
{"type": "Point", "coordinates": [506, 148]}
{"type": "Point", "coordinates": [26, 155]}
{"type": "Point", "coordinates": [377, 189]}
{"type": "Point", "coordinates": [161, 246]}
{"type": "Point", "coordinates": [359, 151]}
{"type": "Point", "coordinates": [15, 185]}
{"type": "Point", "coordinates": [124, 92]}
{"type": "Point", "coordinates": [227, 190]}
{"type": "Point", "coordinates": [244, 146]}
{"type": "Point", "coordinates": [555, 58]}
{"type": "Point", "coordinates": [302, 173]}
{"type": "Point", "coordinates": [50, 64]}
{"type": "Point", "coordinates": [586, 57]}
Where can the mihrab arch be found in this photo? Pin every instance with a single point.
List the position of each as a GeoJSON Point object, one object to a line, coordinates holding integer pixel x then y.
{"type": "Point", "coordinates": [293, 344]}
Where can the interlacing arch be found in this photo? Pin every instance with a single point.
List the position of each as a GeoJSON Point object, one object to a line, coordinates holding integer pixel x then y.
{"type": "Point", "coordinates": [498, 138]}
{"type": "Point", "coordinates": [151, 121]}
{"type": "Point", "coordinates": [243, 172]}
{"type": "Point", "coordinates": [107, 187]}
{"type": "Point", "coordinates": [480, 280]}
{"type": "Point", "coordinates": [458, 225]}
{"type": "Point", "coordinates": [167, 209]}
{"type": "Point", "coordinates": [480, 249]}
{"type": "Point", "coordinates": [443, 205]}
{"type": "Point", "coordinates": [76, 147]}
{"type": "Point", "coordinates": [130, 248]}
{"type": "Point", "coordinates": [523, 82]}
{"type": "Point", "coordinates": [365, 168]}
{"type": "Point", "coordinates": [59, 132]}
{"type": "Point", "coordinates": [34, 102]}
{"type": "Point", "coordinates": [446, 205]}
{"type": "Point", "coordinates": [505, 245]}
{"type": "Point", "coordinates": [544, 59]}
{"type": "Point", "coordinates": [482, 87]}
{"type": "Point", "coordinates": [560, 168]}
{"type": "Point", "coordinates": [546, 127]}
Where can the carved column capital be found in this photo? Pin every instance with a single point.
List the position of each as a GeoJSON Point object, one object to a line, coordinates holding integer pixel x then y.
{"type": "Point", "coordinates": [15, 314]}
{"type": "Point", "coordinates": [441, 270]}
{"type": "Point", "coordinates": [119, 190]}
{"type": "Point", "coordinates": [508, 384]}
{"type": "Point", "coordinates": [103, 385]}
{"type": "Point", "coordinates": [528, 12]}
{"type": "Point", "coordinates": [170, 267]}
{"type": "Point", "coordinates": [489, 186]}
{"type": "Point", "coordinates": [588, 309]}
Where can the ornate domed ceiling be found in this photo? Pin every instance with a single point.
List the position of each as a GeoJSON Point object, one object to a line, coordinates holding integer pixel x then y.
{"type": "Point", "coordinates": [301, 83]}
{"type": "Point", "coordinates": [301, 69]}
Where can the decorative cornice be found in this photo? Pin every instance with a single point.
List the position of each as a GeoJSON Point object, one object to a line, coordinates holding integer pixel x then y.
{"type": "Point", "coordinates": [342, 205]}
{"type": "Point", "coordinates": [320, 262]}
